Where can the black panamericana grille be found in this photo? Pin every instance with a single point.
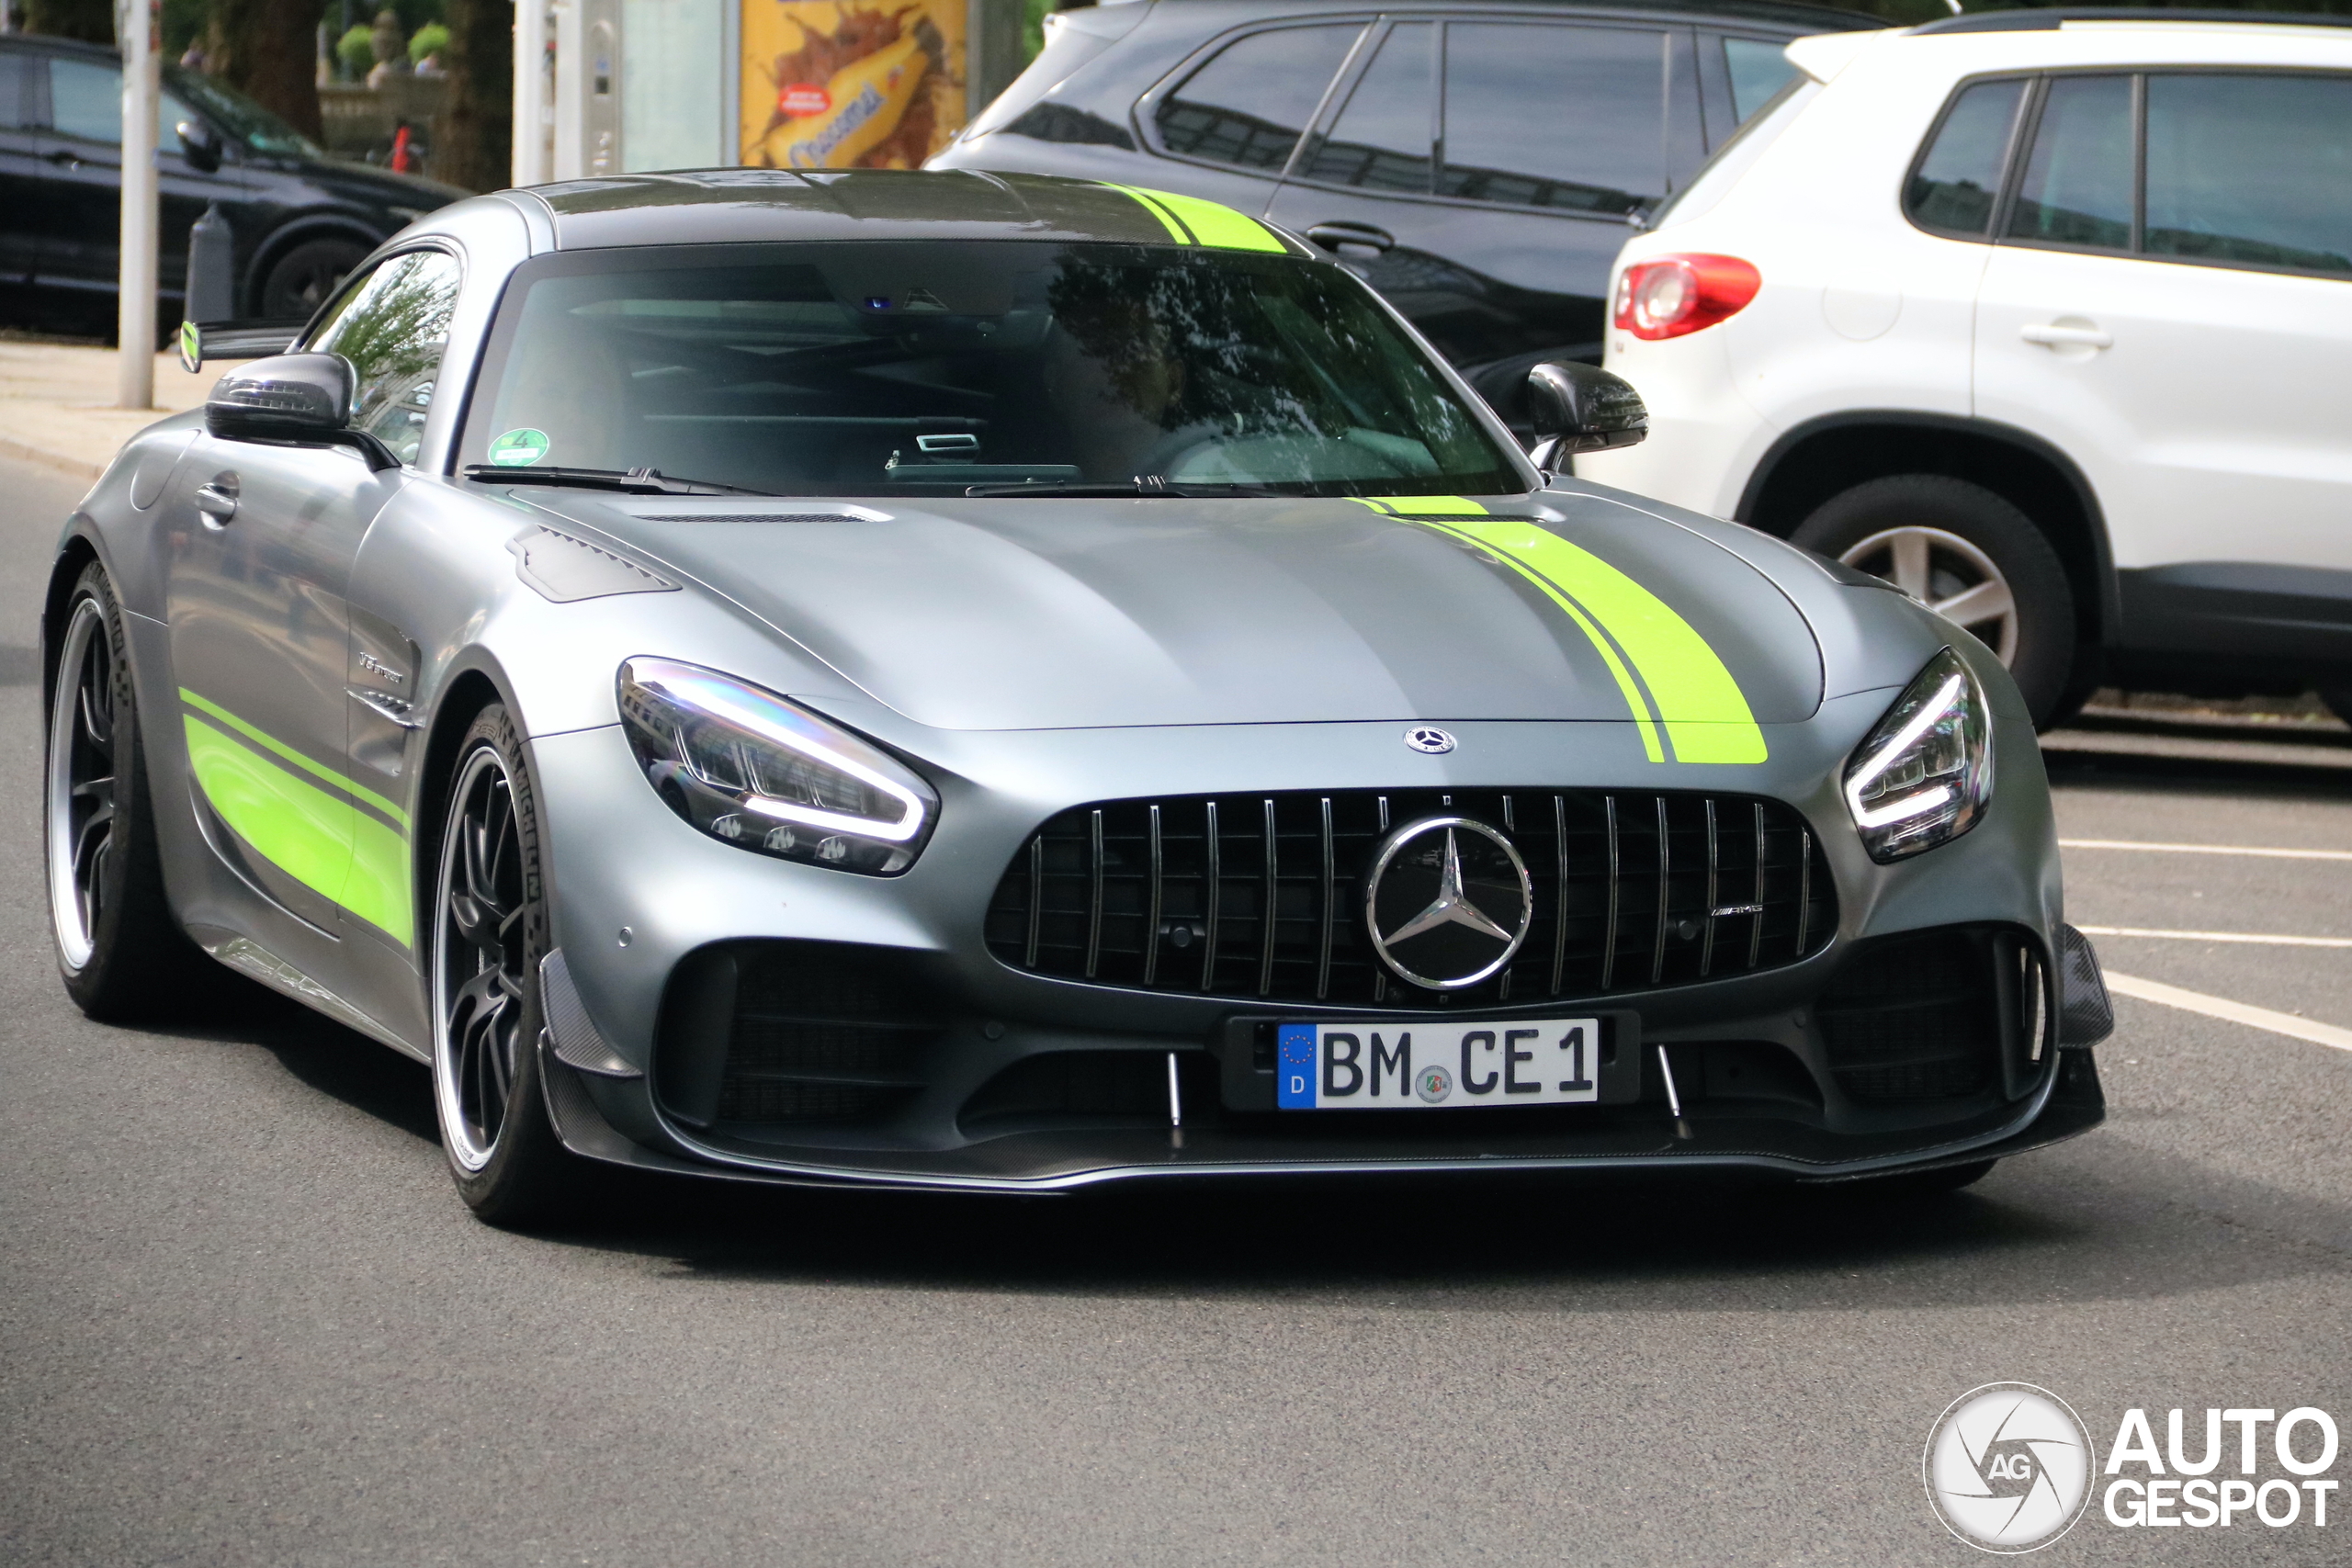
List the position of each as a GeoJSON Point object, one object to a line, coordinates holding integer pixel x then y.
{"type": "Point", "coordinates": [1261, 896]}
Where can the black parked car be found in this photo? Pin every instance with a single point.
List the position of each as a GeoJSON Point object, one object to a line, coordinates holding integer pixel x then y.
{"type": "Point", "coordinates": [300, 219]}
{"type": "Point", "coordinates": [1477, 162]}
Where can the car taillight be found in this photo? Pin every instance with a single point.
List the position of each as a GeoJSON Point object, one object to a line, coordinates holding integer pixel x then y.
{"type": "Point", "coordinates": [1669, 296]}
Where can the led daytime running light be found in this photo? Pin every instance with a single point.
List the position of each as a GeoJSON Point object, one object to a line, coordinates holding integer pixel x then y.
{"type": "Point", "coordinates": [1937, 707]}
{"type": "Point", "coordinates": [722, 699]}
{"type": "Point", "coordinates": [1923, 775]}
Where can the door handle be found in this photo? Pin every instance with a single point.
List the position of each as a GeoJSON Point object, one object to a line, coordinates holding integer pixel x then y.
{"type": "Point", "coordinates": [2055, 335]}
{"type": "Point", "coordinates": [216, 502]}
{"type": "Point", "coordinates": [64, 159]}
{"type": "Point", "coordinates": [1331, 236]}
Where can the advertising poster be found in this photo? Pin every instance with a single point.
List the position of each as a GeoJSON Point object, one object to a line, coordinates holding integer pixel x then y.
{"type": "Point", "coordinates": [838, 85]}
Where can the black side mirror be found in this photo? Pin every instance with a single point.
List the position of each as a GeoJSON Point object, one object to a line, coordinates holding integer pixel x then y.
{"type": "Point", "coordinates": [297, 400]}
{"type": "Point", "coordinates": [1581, 407]}
{"type": "Point", "coordinates": [200, 146]}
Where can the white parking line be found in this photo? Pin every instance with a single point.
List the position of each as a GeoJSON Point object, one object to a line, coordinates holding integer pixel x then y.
{"type": "Point", "coordinates": [2204, 848]}
{"type": "Point", "coordinates": [2285, 1023]}
{"type": "Point", "coordinates": [2259, 937]}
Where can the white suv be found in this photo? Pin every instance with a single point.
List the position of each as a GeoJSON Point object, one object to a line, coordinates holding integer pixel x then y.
{"type": "Point", "coordinates": [2045, 317]}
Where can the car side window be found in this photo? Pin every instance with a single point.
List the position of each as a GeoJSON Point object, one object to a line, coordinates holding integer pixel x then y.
{"type": "Point", "coordinates": [393, 325]}
{"type": "Point", "coordinates": [1565, 118]}
{"type": "Point", "coordinates": [86, 100]}
{"type": "Point", "coordinates": [2077, 190]}
{"type": "Point", "coordinates": [15, 109]}
{"type": "Point", "coordinates": [1958, 178]}
{"type": "Point", "coordinates": [1381, 140]}
{"type": "Point", "coordinates": [2251, 168]}
{"type": "Point", "coordinates": [1758, 70]}
{"type": "Point", "coordinates": [1249, 104]}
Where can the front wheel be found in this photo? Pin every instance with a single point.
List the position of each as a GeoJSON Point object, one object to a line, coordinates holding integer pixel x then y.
{"type": "Point", "coordinates": [1972, 558]}
{"type": "Point", "coordinates": [488, 933]}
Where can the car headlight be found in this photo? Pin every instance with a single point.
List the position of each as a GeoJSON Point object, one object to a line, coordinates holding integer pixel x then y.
{"type": "Point", "coordinates": [744, 765]}
{"type": "Point", "coordinates": [1922, 777]}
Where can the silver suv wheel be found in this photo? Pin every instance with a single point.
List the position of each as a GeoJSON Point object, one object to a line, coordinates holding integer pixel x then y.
{"type": "Point", "coordinates": [1947, 574]}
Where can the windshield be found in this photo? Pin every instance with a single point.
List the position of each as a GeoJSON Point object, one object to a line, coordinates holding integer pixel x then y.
{"type": "Point", "coordinates": [239, 116]}
{"type": "Point", "coordinates": [891, 367]}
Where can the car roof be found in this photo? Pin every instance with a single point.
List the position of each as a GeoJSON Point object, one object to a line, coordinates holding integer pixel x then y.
{"type": "Point", "coordinates": [2055, 17]}
{"type": "Point", "coordinates": [740, 206]}
{"type": "Point", "coordinates": [1786, 13]}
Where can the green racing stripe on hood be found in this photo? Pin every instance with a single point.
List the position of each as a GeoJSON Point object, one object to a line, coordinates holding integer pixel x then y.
{"type": "Point", "coordinates": [1670, 678]}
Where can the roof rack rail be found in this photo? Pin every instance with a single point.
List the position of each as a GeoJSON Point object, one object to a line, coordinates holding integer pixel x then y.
{"type": "Point", "coordinates": [2039, 20]}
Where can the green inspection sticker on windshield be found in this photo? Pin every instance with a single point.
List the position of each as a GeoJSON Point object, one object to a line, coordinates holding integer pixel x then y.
{"type": "Point", "coordinates": [519, 448]}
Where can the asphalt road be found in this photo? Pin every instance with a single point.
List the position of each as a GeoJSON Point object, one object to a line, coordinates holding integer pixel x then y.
{"type": "Point", "coordinates": [245, 1320]}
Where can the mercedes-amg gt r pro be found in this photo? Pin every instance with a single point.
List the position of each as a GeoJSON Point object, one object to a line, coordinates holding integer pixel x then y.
{"type": "Point", "coordinates": [949, 679]}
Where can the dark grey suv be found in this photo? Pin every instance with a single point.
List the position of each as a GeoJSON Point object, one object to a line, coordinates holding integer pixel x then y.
{"type": "Point", "coordinates": [1477, 163]}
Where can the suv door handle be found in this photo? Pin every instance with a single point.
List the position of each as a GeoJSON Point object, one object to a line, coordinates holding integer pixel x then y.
{"type": "Point", "coordinates": [1331, 236]}
{"type": "Point", "coordinates": [216, 500]}
{"type": "Point", "coordinates": [2055, 336]}
{"type": "Point", "coordinates": [63, 157]}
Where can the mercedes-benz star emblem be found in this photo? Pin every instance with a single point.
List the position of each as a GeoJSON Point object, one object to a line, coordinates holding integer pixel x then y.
{"type": "Point", "coordinates": [1448, 902]}
{"type": "Point", "coordinates": [1429, 738]}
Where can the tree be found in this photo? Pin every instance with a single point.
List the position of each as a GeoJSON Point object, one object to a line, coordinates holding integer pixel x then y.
{"type": "Point", "coordinates": [269, 49]}
{"type": "Point", "coordinates": [473, 142]}
{"type": "Point", "coordinates": [91, 22]}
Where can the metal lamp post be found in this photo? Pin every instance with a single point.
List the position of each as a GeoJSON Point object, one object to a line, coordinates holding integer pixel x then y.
{"type": "Point", "coordinates": [139, 26]}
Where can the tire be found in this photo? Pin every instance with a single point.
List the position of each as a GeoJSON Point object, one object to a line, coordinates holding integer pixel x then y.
{"type": "Point", "coordinates": [1962, 550]}
{"type": "Point", "coordinates": [298, 282]}
{"type": "Point", "coordinates": [119, 950]}
{"type": "Point", "coordinates": [488, 935]}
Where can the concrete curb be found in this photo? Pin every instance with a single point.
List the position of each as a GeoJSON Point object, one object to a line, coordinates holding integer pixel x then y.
{"type": "Point", "coordinates": [80, 467]}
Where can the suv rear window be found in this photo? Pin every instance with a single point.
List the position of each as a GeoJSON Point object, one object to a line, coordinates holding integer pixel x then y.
{"type": "Point", "coordinates": [1959, 176]}
{"type": "Point", "coordinates": [1249, 105]}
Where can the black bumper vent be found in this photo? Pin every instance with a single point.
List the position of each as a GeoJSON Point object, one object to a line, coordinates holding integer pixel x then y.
{"type": "Point", "coordinates": [802, 1031]}
{"type": "Point", "coordinates": [1927, 1017]}
{"type": "Point", "coordinates": [1261, 896]}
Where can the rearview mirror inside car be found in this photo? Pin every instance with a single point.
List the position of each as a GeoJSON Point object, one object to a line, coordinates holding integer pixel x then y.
{"type": "Point", "coordinates": [302, 400]}
{"type": "Point", "coordinates": [1576, 407]}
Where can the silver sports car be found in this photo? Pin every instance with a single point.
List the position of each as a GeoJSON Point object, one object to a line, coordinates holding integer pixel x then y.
{"type": "Point", "coordinates": [967, 682]}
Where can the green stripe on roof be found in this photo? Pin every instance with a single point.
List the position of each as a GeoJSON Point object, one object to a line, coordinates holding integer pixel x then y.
{"type": "Point", "coordinates": [1194, 221]}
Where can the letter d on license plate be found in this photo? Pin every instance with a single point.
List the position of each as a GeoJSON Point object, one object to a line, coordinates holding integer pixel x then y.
{"type": "Point", "coordinates": [1421, 1067]}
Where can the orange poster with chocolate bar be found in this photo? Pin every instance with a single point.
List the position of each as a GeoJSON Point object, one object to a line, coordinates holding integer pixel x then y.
{"type": "Point", "coordinates": [851, 83]}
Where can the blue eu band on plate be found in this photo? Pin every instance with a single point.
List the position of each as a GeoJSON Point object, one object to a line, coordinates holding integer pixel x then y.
{"type": "Point", "coordinates": [1459, 1062]}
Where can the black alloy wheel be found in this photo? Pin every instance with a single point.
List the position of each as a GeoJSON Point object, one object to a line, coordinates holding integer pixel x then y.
{"type": "Point", "coordinates": [488, 936]}
{"type": "Point", "coordinates": [119, 951]}
{"type": "Point", "coordinates": [300, 281]}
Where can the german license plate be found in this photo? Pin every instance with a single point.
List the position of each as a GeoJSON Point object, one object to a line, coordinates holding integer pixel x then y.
{"type": "Point", "coordinates": [1423, 1067]}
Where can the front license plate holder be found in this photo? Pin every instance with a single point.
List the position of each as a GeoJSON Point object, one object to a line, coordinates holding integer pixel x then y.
{"type": "Point", "coordinates": [1262, 1054]}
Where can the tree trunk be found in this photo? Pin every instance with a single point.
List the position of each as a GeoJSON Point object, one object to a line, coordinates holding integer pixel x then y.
{"type": "Point", "coordinates": [269, 49]}
{"type": "Point", "coordinates": [91, 22]}
{"type": "Point", "coordinates": [473, 145]}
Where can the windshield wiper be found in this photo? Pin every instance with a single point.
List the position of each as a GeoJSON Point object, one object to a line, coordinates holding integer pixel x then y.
{"type": "Point", "coordinates": [1124, 487]}
{"type": "Point", "coordinates": [630, 481]}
